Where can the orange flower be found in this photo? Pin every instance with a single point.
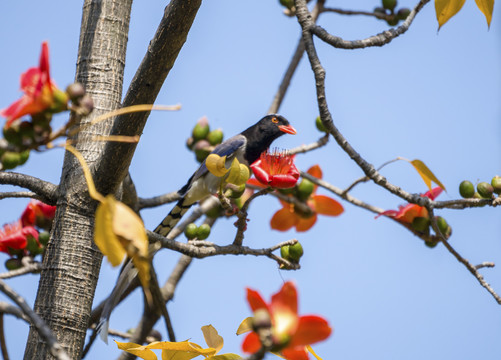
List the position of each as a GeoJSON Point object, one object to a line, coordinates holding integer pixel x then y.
{"type": "Point", "coordinates": [37, 213]}
{"type": "Point", "coordinates": [15, 236]}
{"type": "Point", "coordinates": [40, 92]}
{"type": "Point", "coordinates": [276, 169]}
{"type": "Point", "coordinates": [290, 333]}
{"type": "Point", "coordinates": [289, 216]}
{"type": "Point", "coordinates": [409, 212]}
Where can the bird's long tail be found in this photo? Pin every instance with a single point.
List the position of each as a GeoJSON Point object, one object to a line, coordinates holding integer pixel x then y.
{"type": "Point", "coordinates": [173, 218]}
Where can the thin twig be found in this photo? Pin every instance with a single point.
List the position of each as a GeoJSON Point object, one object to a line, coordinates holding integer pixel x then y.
{"type": "Point", "coordinates": [377, 15]}
{"type": "Point", "coordinates": [365, 178]}
{"type": "Point", "coordinates": [485, 264]}
{"type": "Point", "coordinates": [55, 348]}
{"type": "Point", "coordinates": [3, 344]}
{"type": "Point", "coordinates": [19, 194]}
{"type": "Point", "coordinates": [471, 268]}
{"type": "Point", "coordinates": [305, 148]}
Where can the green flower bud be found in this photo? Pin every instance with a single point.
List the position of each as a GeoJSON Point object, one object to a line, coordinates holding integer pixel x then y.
{"type": "Point", "coordinates": [202, 149]}
{"type": "Point", "coordinates": [13, 264]}
{"type": "Point", "coordinates": [444, 228]}
{"type": "Point", "coordinates": [201, 129]}
{"type": "Point", "coordinates": [305, 189]}
{"type": "Point", "coordinates": [431, 243]}
{"type": "Point", "coordinates": [60, 101]}
{"type": "Point", "coordinates": [284, 252]}
{"type": "Point", "coordinates": [392, 21]}
{"type": "Point", "coordinates": [496, 184]}
{"type": "Point", "coordinates": [234, 191]}
{"type": "Point", "coordinates": [215, 137]}
{"type": "Point", "coordinates": [389, 4]}
{"type": "Point", "coordinates": [296, 251]}
{"type": "Point", "coordinates": [190, 231]}
{"type": "Point", "coordinates": [203, 231]}
{"type": "Point", "coordinates": [421, 225]}
{"type": "Point", "coordinates": [10, 160]}
{"type": "Point", "coordinates": [485, 190]}
{"type": "Point", "coordinates": [23, 157]}
{"type": "Point", "coordinates": [12, 134]}
{"type": "Point", "coordinates": [320, 125]}
{"type": "Point", "coordinates": [403, 13]}
{"type": "Point", "coordinates": [466, 189]}
{"type": "Point", "coordinates": [44, 237]}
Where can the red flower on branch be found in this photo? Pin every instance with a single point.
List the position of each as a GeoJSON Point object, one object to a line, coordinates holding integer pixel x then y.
{"type": "Point", "coordinates": [276, 169]}
{"type": "Point", "coordinates": [37, 213]}
{"type": "Point", "coordinates": [290, 216]}
{"type": "Point", "coordinates": [407, 213]}
{"type": "Point", "coordinates": [40, 92]}
{"type": "Point", "coordinates": [15, 236]}
{"type": "Point", "coordinates": [290, 333]}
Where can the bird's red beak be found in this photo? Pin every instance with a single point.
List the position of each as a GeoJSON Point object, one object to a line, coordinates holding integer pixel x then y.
{"type": "Point", "coordinates": [287, 129]}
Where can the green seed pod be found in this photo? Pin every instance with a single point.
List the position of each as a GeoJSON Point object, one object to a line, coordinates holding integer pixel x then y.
{"type": "Point", "coordinates": [496, 184]}
{"type": "Point", "coordinates": [10, 160]}
{"type": "Point", "coordinates": [485, 190]}
{"type": "Point", "coordinates": [296, 251]}
{"type": "Point", "coordinates": [393, 20]}
{"type": "Point", "coordinates": [421, 224]}
{"type": "Point", "coordinates": [444, 228]}
{"type": "Point", "coordinates": [320, 125]}
{"type": "Point", "coordinates": [190, 231]}
{"type": "Point", "coordinates": [203, 231]}
{"type": "Point", "coordinates": [466, 189]}
{"type": "Point", "coordinates": [13, 264]}
{"type": "Point", "coordinates": [389, 4]}
{"type": "Point", "coordinates": [403, 13]}
{"type": "Point", "coordinates": [215, 137]}
{"type": "Point", "coordinates": [201, 129]}
{"type": "Point", "coordinates": [305, 189]}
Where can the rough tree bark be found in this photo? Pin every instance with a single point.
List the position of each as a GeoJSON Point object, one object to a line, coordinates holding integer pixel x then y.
{"type": "Point", "coordinates": [72, 262]}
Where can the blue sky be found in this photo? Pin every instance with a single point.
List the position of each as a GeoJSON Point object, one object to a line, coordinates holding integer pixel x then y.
{"type": "Point", "coordinates": [427, 95]}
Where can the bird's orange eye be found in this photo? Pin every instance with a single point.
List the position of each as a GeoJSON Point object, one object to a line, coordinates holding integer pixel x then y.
{"type": "Point", "coordinates": [274, 119]}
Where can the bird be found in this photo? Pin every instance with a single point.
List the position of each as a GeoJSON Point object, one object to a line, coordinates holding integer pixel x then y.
{"type": "Point", "coordinates": [247, 147]}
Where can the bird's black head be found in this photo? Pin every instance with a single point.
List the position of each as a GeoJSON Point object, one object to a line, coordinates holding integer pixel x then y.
{"type": "Point", "coordinates": [260, 135]}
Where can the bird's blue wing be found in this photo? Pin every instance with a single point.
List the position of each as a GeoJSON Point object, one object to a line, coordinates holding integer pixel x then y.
{"type": "Point", "coordinates": [226, 148]}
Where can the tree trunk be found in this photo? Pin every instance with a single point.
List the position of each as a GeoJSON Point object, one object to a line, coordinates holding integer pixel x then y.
{"type": "Point", "coordinates": [72, 261]}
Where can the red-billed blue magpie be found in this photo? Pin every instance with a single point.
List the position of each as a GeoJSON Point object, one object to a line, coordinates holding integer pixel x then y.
{"type": "Point", "coordinates": [246, 147]}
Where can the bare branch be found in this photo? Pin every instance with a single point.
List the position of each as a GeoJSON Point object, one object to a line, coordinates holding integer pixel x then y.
{"type": "Point", "coordinates": [46, 191]}
{"type": "Point", "coordinates": [305, 148]}
{"type": "Point", "coordinates": [377, 15]}
{"type": "Point", "coordinates": [55, 348]}
{"type": "Point", "coordinates": [28, 268]}
{"type": "Point", "coordinates": [158, 200]}
{"type": "Point", "coordinates": [377, 40]}
{"type": "Point", "coordinates": [3, 344]}
{"type": "Point", "coordinates": [20, 194]}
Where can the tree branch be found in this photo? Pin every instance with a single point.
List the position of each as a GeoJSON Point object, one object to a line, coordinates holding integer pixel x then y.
{"type": "Point", "coordinates": [46, 191]}
{"type": "Point", "coordinates": [158, 200]}
{"type": "Point", "coordinates": [54, 347]}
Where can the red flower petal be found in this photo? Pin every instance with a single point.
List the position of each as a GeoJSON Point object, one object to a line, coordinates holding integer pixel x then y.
{"type": "Point", "coordinates": [284, 181]}
{"type": "Point", "coordinates": [311, 329]}
{"type": "Point", "coordinates": [408, 213]}
{"type": "Point", "coordinates": [433, 193]}
{"type": "Point", "coordinates": [298, 353]}
{"type": "Point", "coordinates": [28, 216]}
{"type": "Point", "coordinates": [255, 182]}
{"type": "Point", "coordinates": [255, 300]}
{"type": "Point", "coordinates": [315, 171]}
{"type": "Point", "coordinates": [251, 343]}
{"type": "Point", "coordinates": [285, 299]}
{"type": "Point", "coordinates": [261, 175]}
{"type": "Point", "coordinates": [284, 219]}
{"type": "Point", "coordinates": [325, 205]}
{"type": "Point", "coordinates": [305, 224]}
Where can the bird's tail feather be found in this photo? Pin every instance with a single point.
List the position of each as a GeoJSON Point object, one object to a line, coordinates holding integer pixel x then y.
{"type": "Point", "coordinates": [173, 218]}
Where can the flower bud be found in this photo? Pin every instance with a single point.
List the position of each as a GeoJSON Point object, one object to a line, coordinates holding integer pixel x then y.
{"type": "Point", "coordinates": [201, 129]}
{"type": "Point", "coordinates": [403, 13]}
{"type": "Point", "coordinates": [466, 189]}
{"type": "Point", "coordinates": [296, 251]}
{"type": "Point", "coordinates": [75, 92]}
{"type": "Point", "coordinates": [190, 231]}
{"type": "Point", "coordinates": [215, 137]}
{"type": "Point", "coordinates": [203, 231]}
{"type": "Point", "coordinates": [421, 224]}
{"type": "Point", "coordinates": [86, 105]}
{"type": "Point", "coordinates": [389, 4]}
{"type": "Point", "coordinates": [496, 184]}
{"type": "Point", "coordinates": [485, 190]}
{"type": "Point", "coordinates": [13, 264]}
{"type": "Point", "coordinates": [305, 189]}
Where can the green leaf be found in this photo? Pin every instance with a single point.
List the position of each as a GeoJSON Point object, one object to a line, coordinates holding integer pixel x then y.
{"type": "Point", "coordinates": [426, 174]}
{"type": "Point", "coordinates": [487, 7]}
{"type": "Point", "coordinates": [445, 9]}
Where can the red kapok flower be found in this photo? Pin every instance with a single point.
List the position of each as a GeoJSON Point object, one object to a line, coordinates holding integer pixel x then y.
{"type": "Point", "coordinates": [40, 92]}
{"type": "Point", "coordinates": [289, 216]}
{"type": "Point", "coordinates": [37, 213]}
{"type": "Point", "coordinates": [15, 236]}
{"type": "Point", "coordinates": [290, 333]}
{"type": "Point", "coordinates": [276, 169]}
{"type": "Point", "coordinates": [409, 212]}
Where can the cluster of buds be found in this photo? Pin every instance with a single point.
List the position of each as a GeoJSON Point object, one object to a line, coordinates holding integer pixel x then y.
{"type": "Point", "coordinates": [29, 235]}
{"type": "Point", "coordinates": [41, 100]}
{"type": "Point", "coordinates": [484, 189]}
{"type": "Point", "coordinates": [192, 231]}
{"type": "Point", "coordinates": [389, 13]}
{"type": "Point", "coordinates": [203, 140]}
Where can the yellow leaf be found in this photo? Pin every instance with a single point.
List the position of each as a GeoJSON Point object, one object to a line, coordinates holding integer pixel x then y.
{"type": "Point", "coordinates": [88, 177]}
{"type": "Point", "coordinates": [216, 165]}
{"type": "Point", "coordinates": [310, 350]}
{"type": "Point", "coordinates": [487, 7]}
{"type": "Point", "coordinates": [445, 9]}
{"type": "Point", "coordinates": [228, 356]}
{"type": "Point", "coordinates": [104, 237]}
{"type": "Point", "coordinates": [137, 350]}
{"type": "Point", "coordinates": [238, 173]}
{"type": "Point", "coordinates": [245, 326]}
{"type": "Point", "coordinates": [212, 338]}
{"type": "Point", "coordinates": [426, 174]}
{"type": "Point", "coordinates": [183, 350]}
